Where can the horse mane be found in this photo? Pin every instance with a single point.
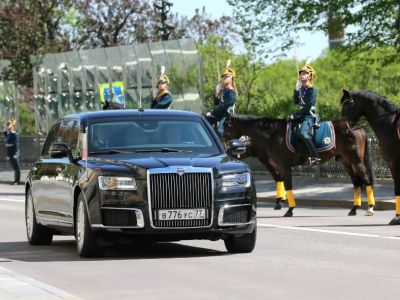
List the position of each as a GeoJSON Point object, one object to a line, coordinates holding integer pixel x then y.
{"type": "Point", "coordinates": [382, 101]}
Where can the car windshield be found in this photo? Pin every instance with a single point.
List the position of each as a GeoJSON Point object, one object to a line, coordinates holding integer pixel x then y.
{"type": "Point", "coordinates": [146, 134]}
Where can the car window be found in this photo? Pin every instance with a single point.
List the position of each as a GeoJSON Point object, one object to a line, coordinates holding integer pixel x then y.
{"type": "Point", "coordinates": [147, 133]}
{"type": "Point", "coordinates": [68, 134]}
{"type": "Point", "coordinates": [51, 138]}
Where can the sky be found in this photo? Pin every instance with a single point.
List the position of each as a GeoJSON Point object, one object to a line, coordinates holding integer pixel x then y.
{"type": "Point", "coordinates": [314, 43]}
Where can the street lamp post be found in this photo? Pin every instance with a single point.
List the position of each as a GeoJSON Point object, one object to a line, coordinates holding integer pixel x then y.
{"type": "Point", "coordinates": [163, 7]}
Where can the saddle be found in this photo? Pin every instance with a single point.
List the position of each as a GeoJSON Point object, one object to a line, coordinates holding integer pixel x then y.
{"type": "Point", "coordinates": [323, 137]}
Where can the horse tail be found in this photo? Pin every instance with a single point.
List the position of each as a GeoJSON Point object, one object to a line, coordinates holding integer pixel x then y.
{"type": "Point", "coordinates": [368, 162]}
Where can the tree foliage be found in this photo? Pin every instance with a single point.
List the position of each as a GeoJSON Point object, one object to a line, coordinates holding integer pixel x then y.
{"type": "Point", "coordinates": [271, 26]}
{"type": "Point", "coordinates": [30, 27]}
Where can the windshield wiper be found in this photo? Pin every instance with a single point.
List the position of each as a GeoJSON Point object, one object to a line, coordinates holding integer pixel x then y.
{"type": "Point", "coordinates": [109, 152]}
{"type": "Point", "coordinates": [162, 150]}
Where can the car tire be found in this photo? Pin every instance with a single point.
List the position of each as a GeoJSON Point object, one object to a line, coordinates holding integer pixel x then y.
{"type": "Point", "coordinates": [241, 244]}
{"type": "Point", "coordinates": [86, 239]}
{"type": "Point", "coordinates": [36, 233]}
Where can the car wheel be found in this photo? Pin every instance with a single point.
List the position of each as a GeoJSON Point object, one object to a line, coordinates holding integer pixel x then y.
{"type": "Point", "coordinates": [241, 244]}
{"type": "Point", "coordinates": [37, 234]}
{"type": "Point", "coordinates": [86, 240]}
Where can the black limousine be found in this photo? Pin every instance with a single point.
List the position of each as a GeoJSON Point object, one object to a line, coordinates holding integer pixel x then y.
{"type": "Point", "coordinates": [161, 175]}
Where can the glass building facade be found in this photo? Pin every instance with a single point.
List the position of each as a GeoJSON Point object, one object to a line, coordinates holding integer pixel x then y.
{"type": "Point", "coordinates": [126, 75]}
{"type": "Point", "coordinates": [8, 97]}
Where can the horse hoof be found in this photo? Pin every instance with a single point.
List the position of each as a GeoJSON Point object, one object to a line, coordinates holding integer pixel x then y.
{"type": "Point", "coordinates": [395, 221]}
{"type": "Point", "coordinates": [352, 212]}
{"type": "Point", "coordinates": [278, 205]}
{"type": "Point", "coordinates": [370, 212]}
{"type": "Point", "coordinates": [289, 213]}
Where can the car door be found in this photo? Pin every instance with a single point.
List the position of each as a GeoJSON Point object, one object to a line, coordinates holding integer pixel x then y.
{"type": "Point", "coordinates": [66, 170]}
{"type": "Point", "coordinates": [41, 176]}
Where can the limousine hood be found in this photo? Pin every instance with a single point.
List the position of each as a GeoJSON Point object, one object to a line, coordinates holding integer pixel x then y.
{"type": "Point", "coordinates": [220, 164]}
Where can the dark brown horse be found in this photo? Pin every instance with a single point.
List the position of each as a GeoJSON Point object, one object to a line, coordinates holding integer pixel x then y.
{"type": "Point", "coordinates": [383, 116]}
{"type": "Point", "coordinates": [268, 144]}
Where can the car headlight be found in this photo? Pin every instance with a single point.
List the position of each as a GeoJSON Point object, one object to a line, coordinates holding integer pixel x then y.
{"type": "Point", "coordinates": [116, 183]}
{"type": "Point", "coordinates": [241, 180]}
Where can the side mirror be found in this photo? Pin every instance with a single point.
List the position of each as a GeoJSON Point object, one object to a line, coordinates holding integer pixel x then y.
{"type": "Point", "coordinates": [60, 150]}
{"type": "Point", "coordinates": [236, 147]}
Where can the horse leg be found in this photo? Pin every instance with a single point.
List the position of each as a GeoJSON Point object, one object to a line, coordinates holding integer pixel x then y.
{"type": "Point", "coordinates": [396, 178]}
{"type": "Point", "coordinates": [280, 188]}
{"type": "Point", "coordinates": [287, 179]}
{"type": "Point", "coordinates": [371, 200]}
{"type": "Point", "coordinates": [280, 195]}
{"type": "Point", "coordinates": [357, 183]}
{"type": "Point", "coordinates": [367, 174]}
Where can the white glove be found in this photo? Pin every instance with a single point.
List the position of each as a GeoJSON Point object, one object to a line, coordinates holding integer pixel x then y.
{"type": "Point", "coordinates": [291, 117]}
{"type": "Point", "coordinates": [16, 156]}
{"type": "Point", "coordinates": [298, 85]}
{"type": "Point", "coordinates": [218, 88]}
{"type": "Point", "coordinates": [209, 114]}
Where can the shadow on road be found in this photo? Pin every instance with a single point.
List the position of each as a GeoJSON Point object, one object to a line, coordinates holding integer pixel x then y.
{"type": "Point", "coordinates": [66, 251]}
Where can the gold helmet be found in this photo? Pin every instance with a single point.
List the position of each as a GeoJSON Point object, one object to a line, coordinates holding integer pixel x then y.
{"type": "Point", "coordinates": [228, 71]}
{"type": "Point", "coordinates": [309, 69]}
{"type": "Point", "coordinates": [11, 122]}
{"type": "Point", "coordinates": [163, 78]}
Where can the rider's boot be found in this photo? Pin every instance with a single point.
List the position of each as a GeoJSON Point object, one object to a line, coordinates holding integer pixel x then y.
{"type": "Point", "coordinates": [314, 157]}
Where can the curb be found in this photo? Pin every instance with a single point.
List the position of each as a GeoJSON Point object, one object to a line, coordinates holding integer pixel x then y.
{"type": "Point", "coordinates": [379, 204]}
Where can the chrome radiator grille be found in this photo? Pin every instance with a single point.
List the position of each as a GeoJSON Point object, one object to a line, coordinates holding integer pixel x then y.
{"type": "Point", "coordinates": [181, 191]}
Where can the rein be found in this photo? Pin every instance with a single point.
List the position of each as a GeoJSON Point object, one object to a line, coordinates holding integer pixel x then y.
{"type": "Point", "coordinates": [380, 117]}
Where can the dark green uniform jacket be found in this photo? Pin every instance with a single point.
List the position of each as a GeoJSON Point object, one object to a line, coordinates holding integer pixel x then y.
{"type": "Point", "coordinates": [228, 99]}
{"type": "Point", "coordinates": [306, 98]}
{"type": "Point", "coordinates": [162, 102]}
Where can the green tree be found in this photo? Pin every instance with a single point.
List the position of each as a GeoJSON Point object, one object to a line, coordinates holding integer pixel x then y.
{"type": "Point", "coordinates": [31, 27]}
{"type": "Point", "coordinates": [271, 26]}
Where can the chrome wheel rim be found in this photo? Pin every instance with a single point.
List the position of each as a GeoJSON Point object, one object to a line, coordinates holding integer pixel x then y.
{"type": "Point", "coordinates": [29, 216]}
{"type": "Point", "coordinates": [80, 233]}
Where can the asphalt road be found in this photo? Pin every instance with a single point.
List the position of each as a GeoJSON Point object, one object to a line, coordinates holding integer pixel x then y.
{"type": "Point", "coordinates": [318, 254]}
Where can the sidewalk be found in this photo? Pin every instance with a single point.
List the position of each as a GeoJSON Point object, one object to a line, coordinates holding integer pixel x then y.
{"type": "Point", "coordinates": [308, 191]}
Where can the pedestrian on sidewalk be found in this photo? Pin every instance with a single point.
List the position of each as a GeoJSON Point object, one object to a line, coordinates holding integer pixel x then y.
{"type": "Point", "coordinates": [12, 145]}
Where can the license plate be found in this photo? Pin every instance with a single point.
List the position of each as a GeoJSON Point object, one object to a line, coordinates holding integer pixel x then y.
{"type": "Point", "coordinates": [182, 214]}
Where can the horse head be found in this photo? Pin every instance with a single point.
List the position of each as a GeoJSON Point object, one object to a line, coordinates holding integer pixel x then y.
{"type": "Point", "coordinates": [351, 109]}
{"type": "Point", "coordinates": [230, 130]}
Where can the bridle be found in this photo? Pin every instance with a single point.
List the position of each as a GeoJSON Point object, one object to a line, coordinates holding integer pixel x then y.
{"type": "Point", "coordinates": [380, 117]}
{"type": "Point", "coordinates": [228, 125]}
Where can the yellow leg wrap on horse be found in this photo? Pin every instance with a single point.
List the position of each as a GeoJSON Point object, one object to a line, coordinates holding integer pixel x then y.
{"type": "Point", "coordinates": [370, 195]}
{"type": "Point", "coordinates": [357, 196]}
{"type": "Point", "coordinates": [290, 198]}
{"type": "Point", "coordinates": [397, 205]}
{"type": "Point", "coordinates": [280, 190]}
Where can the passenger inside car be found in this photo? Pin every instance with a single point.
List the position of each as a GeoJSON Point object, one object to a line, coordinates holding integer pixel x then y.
{"type": "Point", "coordinates": [101, 137]}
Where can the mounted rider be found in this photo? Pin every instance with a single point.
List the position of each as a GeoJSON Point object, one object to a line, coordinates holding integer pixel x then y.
{"type": "Point", "coordinates": [305, 95]}
{"type": "Point", "coordinates": [163, 99]}
{"type": "Point", "coordinates": [225, 98]}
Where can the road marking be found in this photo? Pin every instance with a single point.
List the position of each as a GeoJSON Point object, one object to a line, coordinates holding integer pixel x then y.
{"type": "Point", "coordinates": [14, 285]}
{"type": "Point", "coordinates": [329, 231]}
{"type": "Point", "coordinates": [11, 200]}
